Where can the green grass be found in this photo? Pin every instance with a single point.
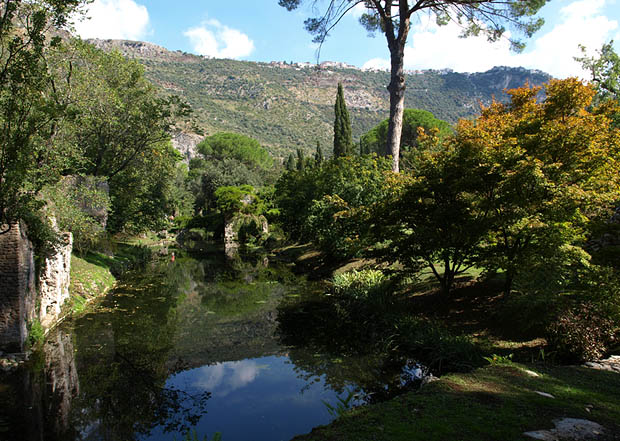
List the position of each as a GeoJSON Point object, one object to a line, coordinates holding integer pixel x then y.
{"type": "Point", "coordinates": [90, 277]}
{"type": "Point", "coordinates": [491, 403]}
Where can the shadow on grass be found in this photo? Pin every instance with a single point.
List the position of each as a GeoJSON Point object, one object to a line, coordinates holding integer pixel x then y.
{"type": "Point", "coordinates": [492, 403]}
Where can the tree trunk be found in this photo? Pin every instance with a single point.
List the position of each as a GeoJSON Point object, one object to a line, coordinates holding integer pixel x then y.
{"type": "Point", "coordinates": [508, 281]}
{"type": "Point", "coordinates": [396, 44]}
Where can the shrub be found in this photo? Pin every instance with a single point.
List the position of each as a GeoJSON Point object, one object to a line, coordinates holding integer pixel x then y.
{"type": "Point", "coordinates": [438, 348]}
{"type": "Point", "coordinates": [364, 296]}
{"type": "Point", "coordinates": [581, 333]}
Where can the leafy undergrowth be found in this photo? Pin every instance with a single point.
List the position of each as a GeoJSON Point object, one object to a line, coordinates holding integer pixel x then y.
{"type": "Point", "coordinates": [493, 403]}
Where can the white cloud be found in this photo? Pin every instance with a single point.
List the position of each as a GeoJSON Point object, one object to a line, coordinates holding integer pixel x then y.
{"type": "Point", "coordinates": [118, 19]}
{"type": "Point", "coordinates": [217, 40]}
{"type": "Point", "coordinates": [580, 22]}
{"type": "Point", "coordinates": [223, 378]}
{"type": "Point", "coordinates": [377, 64]}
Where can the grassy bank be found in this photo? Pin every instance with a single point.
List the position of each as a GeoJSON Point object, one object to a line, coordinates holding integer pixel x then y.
{"type": "Point", "coordinates": [94, 273]}
{"type": "Point", "coordinates": [476, 320]}
{"type": "Point", "coordinates": [88, 280]}
{"type": "Point", "coordinates": [497, 402]}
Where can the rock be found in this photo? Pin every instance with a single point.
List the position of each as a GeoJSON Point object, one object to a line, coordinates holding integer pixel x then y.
{"type": "Point", "coordinates": [185, 143]}
{"type": "Point", "coordinates": [428, 379]}
{"type": "Point", "coordinates": [569, 429]}
{"type": "Point", "coordinates": [531, 373]}
{"type": "Point", "coordinates": [54, 282]}
{"type": "Point", "coordinates": [611, 364]}
{"type": "Point", "coordinates": [544, 435]}
{"type": "Point", "coordinates": [544, 394]}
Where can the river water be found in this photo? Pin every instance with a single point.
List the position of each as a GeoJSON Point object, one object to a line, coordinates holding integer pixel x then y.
{"type": "Point", "coordinates": [208, 344]}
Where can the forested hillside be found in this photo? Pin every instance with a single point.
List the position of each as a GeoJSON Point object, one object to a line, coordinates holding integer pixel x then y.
{"type": "Point", "coordinates": [289, 106]}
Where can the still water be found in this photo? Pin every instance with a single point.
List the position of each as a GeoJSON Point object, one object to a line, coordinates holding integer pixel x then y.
{"type": "Point", "coordinates": [196, 343]}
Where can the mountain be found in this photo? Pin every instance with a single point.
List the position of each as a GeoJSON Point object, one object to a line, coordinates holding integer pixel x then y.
{"type": "Point", "coordinates": [286, 106]}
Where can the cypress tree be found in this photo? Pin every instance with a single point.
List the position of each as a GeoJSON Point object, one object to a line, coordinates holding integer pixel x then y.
{"type": "Point", "coordinates": [300, 160]}
{"type": "Point", "coordinates": [290, 163]}
{"type": "Point", "coordinates": [343, 140]}
{"type": "Point", "coordinates": [318, 156]}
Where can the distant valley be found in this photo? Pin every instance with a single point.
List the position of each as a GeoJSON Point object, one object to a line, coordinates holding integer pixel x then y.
{"type": "Point", "coordinates": [289, 106]}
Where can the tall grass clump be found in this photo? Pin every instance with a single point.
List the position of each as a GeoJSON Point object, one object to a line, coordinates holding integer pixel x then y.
{"type": "Point", "coordinates": [363, 294]}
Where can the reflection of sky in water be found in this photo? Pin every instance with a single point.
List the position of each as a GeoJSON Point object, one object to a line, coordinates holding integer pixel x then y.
{"type": "Point", "coordinates": [255, 400]}
{"type": "Point", "coordinates": [223, 378]}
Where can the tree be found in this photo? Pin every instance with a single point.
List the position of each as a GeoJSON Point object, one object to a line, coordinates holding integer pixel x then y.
{"type": "Point", "coordinates": [433, 218]}
{"type": "Point", "coordinates": [29, 109]}
{"type": "Point", "coordinates": [118, 116]}
{"type": "Point", "coordinates": [229, 159]}
{"type": "Point", "coordinates": [605, 75]}
{"type": "Point", "coordinates": [318, 155]}
{"type": "Point", "coordinates": [413, 119]}
{"type": "Point", "coordinates": [119, 126]}
{"type": "Point", "coordinates": [393, 17]}
{"type": "Point", "coordinates": [237, 146]}
{"type": "Point", "coordinates": [290, 162]}
{"type": "Point", "coordinates": [343, 141]}
{"type": "Point", "coordinates": [551, 170]}
{"type": "Point", "coordinates": [301, 162]}
{"type": "Point", "coordinates": [604, 70]}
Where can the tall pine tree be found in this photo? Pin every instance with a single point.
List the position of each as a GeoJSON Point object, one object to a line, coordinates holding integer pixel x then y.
{"type": "Point", "coordinates": [343, 141]}
{"type": "Point", "coordinates": [301, 161]}
{"type": "Point", "coordinates": [290, 163]}
{"type": "Point", "coordinates": [318, 156]}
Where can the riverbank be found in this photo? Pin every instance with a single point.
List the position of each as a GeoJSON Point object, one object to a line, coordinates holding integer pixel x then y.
{"type": "Point", "coordinates": [497, 402]}
{"type": "Point", "coordinates": [498, 399]}
{"type": "Point", "coordinates": [95, 273]}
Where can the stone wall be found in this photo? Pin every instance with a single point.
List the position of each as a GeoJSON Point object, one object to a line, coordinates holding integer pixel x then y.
{"type": "Point", "coordinates": [17, 287]}
{"type": "Point", "coordinates": [54, 282]}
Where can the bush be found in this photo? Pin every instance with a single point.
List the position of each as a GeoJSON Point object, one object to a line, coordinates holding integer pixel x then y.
{"type": "Point", "coordinates": [363, 296]}
{"type": "Point", "coordinates": [581, 333]}
{"type": "Point", "coordinates": [438, 348]}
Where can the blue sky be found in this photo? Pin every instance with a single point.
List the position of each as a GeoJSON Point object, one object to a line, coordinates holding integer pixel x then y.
{"type": "Point", "coordinates": [260, 30]}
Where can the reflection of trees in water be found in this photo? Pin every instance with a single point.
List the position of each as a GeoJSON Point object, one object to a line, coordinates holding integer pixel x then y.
{"type": "Point", "coordinates": [129, 396]}
{"type": "Point", "coordinates": [321, 344]}
{"type": "Point", "coordinates": [123, 352]}
{"type": "Point", "coordinates": [35, 404]}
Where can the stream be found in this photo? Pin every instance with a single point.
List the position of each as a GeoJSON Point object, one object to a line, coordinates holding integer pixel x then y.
{"type": "Point", "coordinates": [203, 343]}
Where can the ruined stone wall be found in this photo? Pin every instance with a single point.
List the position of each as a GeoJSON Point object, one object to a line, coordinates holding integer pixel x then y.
{"type": "Point", "coordinates": [17, 287]}
{"type": "Point", "coordinates": [54, 282]}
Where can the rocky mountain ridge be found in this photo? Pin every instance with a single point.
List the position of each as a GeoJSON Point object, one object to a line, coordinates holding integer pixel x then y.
{"type": "Point", "coordinates": [290, 105]}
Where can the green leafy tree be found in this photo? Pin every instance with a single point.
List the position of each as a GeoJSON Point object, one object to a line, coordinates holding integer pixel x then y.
{"type": "Point", "coordinates": [433, 219]}
{"type": "Point", "coordinates": [120, 127]}
{"type": "Point", "coordinates": [413, 120]}
{"type": "Point", "coordinates": [228, 159]}
{"type": "Point", "coordinates": [330, 205]}
{"type": "Point", "coordinates": [29, 107]}
{"type": "Point", "coordinates": [604, 70]}
{"type": "Point", "coordinates": [343, 141]}
{"type": "Point", "coordinates": [605, 75]}
{"type": "Point", "coordinates": [393, 18]}
{"type": "Point", "coordinates": [237, 146]}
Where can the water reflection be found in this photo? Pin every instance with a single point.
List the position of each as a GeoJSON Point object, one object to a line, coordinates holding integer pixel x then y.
{"type": "Point", "coordinates": [224, 378]}
{"type": "Point", "coordinates": [262, 399]}
{"type": "Point", "coordinates": [230, 346]}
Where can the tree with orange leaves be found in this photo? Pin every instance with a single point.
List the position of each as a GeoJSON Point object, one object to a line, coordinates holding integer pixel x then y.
{"type": "Point", "coordinates": [552, 168]}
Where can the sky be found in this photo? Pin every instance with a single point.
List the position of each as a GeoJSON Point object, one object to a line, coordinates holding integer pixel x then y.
{"type": "Point", "coordinates": [260, 30]}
